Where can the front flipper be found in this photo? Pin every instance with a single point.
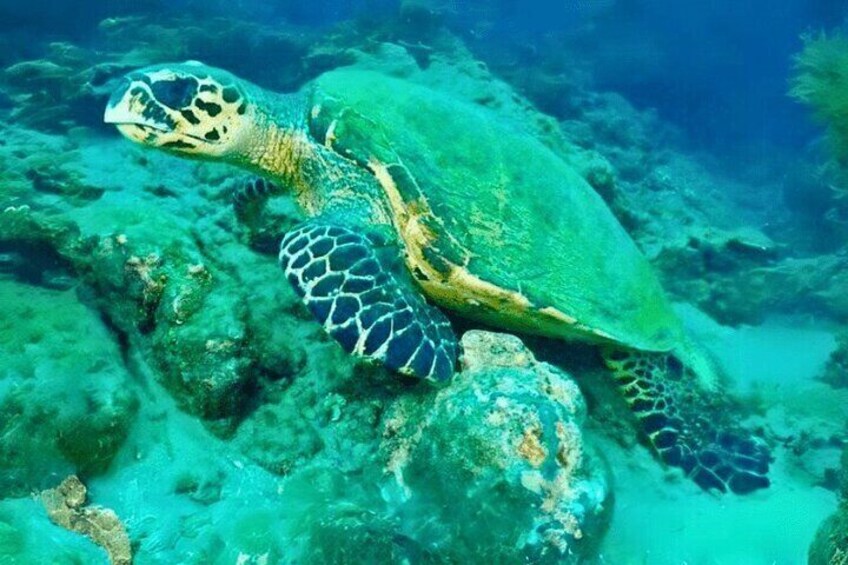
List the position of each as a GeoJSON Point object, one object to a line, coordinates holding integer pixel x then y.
{"type": "Point", "coordinates": [687, 425]}
{"type": "Point", "coordinates": [250, 197]}
{"type": "Point", "coordinates": [364, 302]}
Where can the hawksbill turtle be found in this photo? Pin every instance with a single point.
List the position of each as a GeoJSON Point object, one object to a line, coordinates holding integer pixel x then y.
{"type": "Point", "coordinates": [418, 203]}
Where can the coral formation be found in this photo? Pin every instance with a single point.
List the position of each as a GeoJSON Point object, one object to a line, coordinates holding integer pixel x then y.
{"type": "Point", "coordinates": [66, 506]}
{"type": "Point", "coordinates": [65, 395]}
{"type": "Point", "coordinates": [505, 439]}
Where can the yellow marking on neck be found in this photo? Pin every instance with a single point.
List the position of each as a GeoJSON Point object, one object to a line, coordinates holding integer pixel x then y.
{"type": "Point", "coordinates": [456, 288]}
{"type": "Point", "coordinates": [278, 150]}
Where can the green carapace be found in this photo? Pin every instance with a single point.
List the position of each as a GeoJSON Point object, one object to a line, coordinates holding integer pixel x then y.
{"type": "Point", "coordinates": [421, 203]}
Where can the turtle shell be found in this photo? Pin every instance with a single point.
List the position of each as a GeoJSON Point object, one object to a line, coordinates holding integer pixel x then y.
{"type": "Point", "coordinates": [495, 225]}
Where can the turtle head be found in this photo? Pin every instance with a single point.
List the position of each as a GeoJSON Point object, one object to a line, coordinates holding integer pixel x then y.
{"type": "Point", "coordinates": [186, 108]}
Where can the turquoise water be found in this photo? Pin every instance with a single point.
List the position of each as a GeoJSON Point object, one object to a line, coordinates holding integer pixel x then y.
{"type": "Point", "coordinates": [168, 396]}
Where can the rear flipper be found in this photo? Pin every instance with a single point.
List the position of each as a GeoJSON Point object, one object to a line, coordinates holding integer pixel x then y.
{"type": "Point", "coordinates": [687, 425]}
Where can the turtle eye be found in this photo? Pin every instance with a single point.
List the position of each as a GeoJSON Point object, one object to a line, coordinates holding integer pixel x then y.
{"type": "Point", "coordinates": [176, 93]}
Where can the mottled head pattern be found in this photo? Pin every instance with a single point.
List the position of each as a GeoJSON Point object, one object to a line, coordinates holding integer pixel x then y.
{"type": "Point", "coordinates": [187, 108]}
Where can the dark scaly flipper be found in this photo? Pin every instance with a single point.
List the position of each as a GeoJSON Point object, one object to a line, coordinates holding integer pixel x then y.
{"type": "Point", "coordinates": [261, 229]}
{"type": "Point", "coordinates": [687, 425]}
{"type": "Point", "coordinates": [249, 199]}
{"type": "Point", "coordinates": [362, 301]}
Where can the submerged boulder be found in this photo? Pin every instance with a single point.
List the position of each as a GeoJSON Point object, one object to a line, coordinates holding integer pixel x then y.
{"type": "Point", "coordinates": [495, 466]}
{"type": "Point", "coordinates": [726, 272]}
{"type": "Point", "coordinates": [27, 535]}
{"type": "Point", "coordinates": [66, 506]}
{"type": "Point", "coordinates": [66, 398]}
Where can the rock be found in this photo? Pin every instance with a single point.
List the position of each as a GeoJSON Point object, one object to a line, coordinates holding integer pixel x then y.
{"type": "Point", "coordinates": [709, 267]}
{"type": "Point", "coordinates": [52, 93]}
{"type": "Point", "coordinates": [495, 466]}
{"type": "Point", "coordinates": [830, 546]}
{"type": "Point", "coordinates": [66, 399]}
{"type": "Point", "coordinates": [66, 506]}
{"type": "Point", "coordinates": [298, 53]}
{"type": "Point", "coordinates": [844, 474]}
{"type": "Point", "coordinates": [421, 18]}
{"type": "Point", "coordinates": [168, 293]}
{"type": "Point", "coordinates": [350, 534]}
{"type": "Point", "coordinates": [27, 535]}
{"type": "Point", "coordinates": [43, 172]}
{"type": "Point", "coordinates": [741, 276]}
{"type": "Point", "coordinates": [836, 371]}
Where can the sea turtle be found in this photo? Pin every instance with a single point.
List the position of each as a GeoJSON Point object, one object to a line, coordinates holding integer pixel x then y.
{"type": "Point", "coordinates": [420, 202]}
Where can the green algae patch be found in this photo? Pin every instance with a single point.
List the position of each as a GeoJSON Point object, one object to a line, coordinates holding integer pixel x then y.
{"type": "Point", "coordinates": [66, 400]}
{"type": "Point", "coordinates": [830, 546]}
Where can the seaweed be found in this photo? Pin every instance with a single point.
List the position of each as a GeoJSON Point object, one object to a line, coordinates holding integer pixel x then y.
{"type": "Point", "coordinates": [821, 82]}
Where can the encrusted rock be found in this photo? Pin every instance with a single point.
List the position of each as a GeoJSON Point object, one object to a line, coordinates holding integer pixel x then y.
{"type": "Point", "coordinates": [495, 466]}
{"type": "Point", "coordinates": [830, 546]}
{"type": "Point", "coordinates": [66, 506]}
{"type": "Point", "coordinates": [66, 399]}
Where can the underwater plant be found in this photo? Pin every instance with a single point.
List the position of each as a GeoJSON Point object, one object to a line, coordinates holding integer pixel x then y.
{"type": "Point", "coordinates": [821, 82]}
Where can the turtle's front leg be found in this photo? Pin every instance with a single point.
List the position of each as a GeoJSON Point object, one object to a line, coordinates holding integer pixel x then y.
{"type": "Point", "coordinates": [250, 197]}
{"type": "Point", "coordinates": [366, 300]}
{"type": "Point", "coordinates": [260, 224]}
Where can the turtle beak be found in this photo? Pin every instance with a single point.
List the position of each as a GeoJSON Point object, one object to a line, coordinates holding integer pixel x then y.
{"type": "Point", "coordinates": [117, 109]}
{"type": "Point", "coordinates": [127, 107]}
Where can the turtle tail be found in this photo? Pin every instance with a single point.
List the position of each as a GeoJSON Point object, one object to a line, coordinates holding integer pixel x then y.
{"type": "Point", "coordinates": [687, 421]}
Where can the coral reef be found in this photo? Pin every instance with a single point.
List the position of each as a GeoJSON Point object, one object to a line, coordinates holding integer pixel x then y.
{"type": "Point", "coordinates": [68, 85]}
{"type": "Point", "coordinates": [724, 272]}
{"type": "Point", "coordinates": [66, 506]}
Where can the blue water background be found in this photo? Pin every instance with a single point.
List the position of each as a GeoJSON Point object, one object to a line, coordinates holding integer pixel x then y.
{"type": "Point", "coordinates": [719, 70]}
